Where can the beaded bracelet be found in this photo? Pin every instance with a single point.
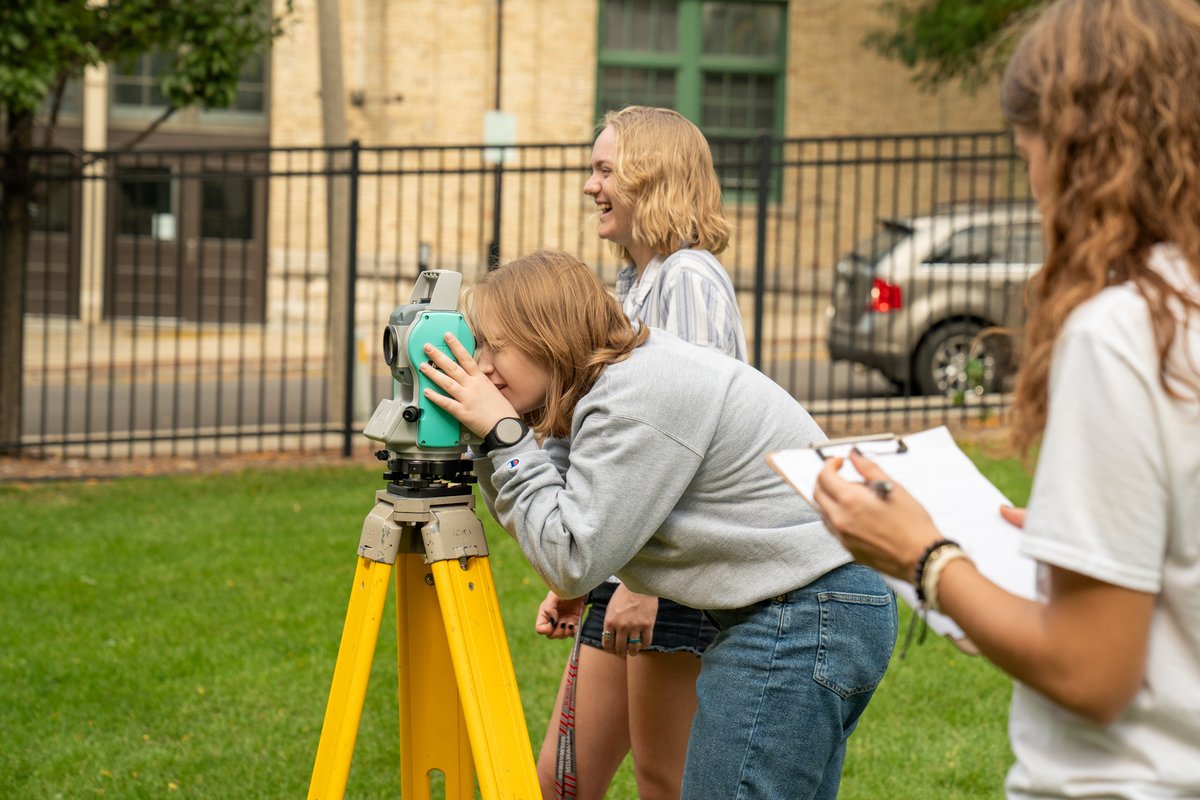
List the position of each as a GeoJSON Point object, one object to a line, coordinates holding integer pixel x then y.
{"type": "Point", "coordinates": [923, 562]}
{"type": "Point", "coordinates": [933, 573]}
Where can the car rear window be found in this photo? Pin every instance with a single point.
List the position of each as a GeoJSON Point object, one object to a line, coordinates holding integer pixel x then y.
{"type": "Point", "coordinates": [891, 232]}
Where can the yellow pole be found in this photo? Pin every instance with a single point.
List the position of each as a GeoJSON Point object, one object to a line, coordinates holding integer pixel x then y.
{"type": "Point", "coordinates": [350, 674]}
{"type": "Point", "coordinates": [487, 682]}
{"type": "Point", "coordinates": [433, 736]}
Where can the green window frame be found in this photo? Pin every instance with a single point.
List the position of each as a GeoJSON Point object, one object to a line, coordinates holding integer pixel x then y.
{"type": "Point", "coordinates": [720, 63]}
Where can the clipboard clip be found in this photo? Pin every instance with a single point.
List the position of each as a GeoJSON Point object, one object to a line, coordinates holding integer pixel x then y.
{"type": "Point", "coordinates": [890, 444]}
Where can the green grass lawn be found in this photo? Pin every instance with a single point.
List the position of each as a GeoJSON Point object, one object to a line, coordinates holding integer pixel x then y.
{"type": "Point", "coordinates": [174, 637]}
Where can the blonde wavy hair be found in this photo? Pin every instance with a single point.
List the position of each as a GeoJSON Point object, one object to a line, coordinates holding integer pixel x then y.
{"type": "Point", "coordinates": [1113, 88]}
{"type": "Point", "coordinates": [553, 308]}
{"type": "Point", "coordinates": [664, 172]}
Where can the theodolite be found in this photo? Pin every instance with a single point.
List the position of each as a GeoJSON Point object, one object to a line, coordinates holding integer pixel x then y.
{"type": "Point", "coordinates": [424, 442]}
{"type": "Point", "coordinates": [460, 711]}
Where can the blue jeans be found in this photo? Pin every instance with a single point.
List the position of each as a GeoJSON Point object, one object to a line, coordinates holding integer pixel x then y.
{"type": "Point", "coordinates": [783, 686]}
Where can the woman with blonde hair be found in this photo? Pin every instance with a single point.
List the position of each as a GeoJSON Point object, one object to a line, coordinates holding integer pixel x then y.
{"type": "Point", "coordinates": [1104, 98]}
{"type": "Point", "coordinates": [659, 204]}
{"type": "Point", "coordinates": [638, 425]}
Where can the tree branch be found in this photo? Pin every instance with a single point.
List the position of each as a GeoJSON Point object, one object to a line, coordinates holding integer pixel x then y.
{"type": "Point", "coordinates": [151, 128]}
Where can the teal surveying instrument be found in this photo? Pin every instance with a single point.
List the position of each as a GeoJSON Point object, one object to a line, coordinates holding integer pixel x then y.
{"type": "Point", "coordinates": [460, 712]}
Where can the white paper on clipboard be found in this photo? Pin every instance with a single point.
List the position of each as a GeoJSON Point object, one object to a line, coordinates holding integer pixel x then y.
{"type": "Point", "coordinates": [962, 502]}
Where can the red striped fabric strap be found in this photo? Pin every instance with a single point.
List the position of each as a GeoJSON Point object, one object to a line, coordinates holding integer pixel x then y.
{"type": "Point", "coordinates": [564, 768]}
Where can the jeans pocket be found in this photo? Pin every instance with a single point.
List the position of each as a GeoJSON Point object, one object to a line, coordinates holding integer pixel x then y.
{"type": "Point", "coordinates": [858, 632]}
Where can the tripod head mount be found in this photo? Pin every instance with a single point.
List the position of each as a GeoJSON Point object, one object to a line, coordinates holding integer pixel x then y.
{"type": "Point", "coordinates": [424, 443]}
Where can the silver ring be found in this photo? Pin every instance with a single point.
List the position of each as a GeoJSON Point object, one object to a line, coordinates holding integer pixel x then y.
{"type": "Point", "coordinates": [881, 489]}
{"type": "Point", "coordinates": [606, 635]}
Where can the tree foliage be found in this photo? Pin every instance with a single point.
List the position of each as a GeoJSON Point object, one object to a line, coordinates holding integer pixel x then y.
{"type": "Point", "coordinates": [44, 44]}
{"type": "Point", "coordinates": [946, 40]}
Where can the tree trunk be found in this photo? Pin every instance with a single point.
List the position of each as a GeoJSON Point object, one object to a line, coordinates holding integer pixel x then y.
{"type": "Point", "coordinates": [16, 195]}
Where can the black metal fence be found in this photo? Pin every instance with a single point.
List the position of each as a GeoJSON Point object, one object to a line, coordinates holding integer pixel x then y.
{"type": "Point", "coordinates": [183, 302]}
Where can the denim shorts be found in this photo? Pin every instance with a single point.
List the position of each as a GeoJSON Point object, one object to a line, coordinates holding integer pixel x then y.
{"type": "Point", "coordinates": [677, 629]}
{"type": "Point", "coordinates": [782, 687]}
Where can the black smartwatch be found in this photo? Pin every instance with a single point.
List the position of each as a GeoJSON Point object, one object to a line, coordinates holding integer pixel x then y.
{"type": "Point", "coordinates": [507, 432]}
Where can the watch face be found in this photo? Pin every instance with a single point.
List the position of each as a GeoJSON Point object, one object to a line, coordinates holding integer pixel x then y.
{"type": "Point", "coordinates": [509, 430]}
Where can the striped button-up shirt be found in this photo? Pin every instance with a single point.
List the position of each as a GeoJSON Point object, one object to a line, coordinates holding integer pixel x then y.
{"type": "Point", "coordinates": [689, 294]}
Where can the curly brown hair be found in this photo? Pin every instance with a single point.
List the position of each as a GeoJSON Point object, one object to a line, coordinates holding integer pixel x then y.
{"type": "Point", "coordinates": [554, 309]}
{"type": "Point", "coordinates": [1113, 89]}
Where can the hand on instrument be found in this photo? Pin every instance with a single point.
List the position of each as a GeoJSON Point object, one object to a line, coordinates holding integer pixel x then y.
{"type": "Point", "coordinates": [470, 395]}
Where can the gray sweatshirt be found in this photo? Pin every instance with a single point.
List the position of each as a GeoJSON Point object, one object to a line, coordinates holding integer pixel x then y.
{"type": "Point", "coordinates": [664, 483]}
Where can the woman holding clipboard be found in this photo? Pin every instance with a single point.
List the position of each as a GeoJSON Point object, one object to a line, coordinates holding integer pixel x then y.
{"type": "Point", "coordinates": [1104, 99]}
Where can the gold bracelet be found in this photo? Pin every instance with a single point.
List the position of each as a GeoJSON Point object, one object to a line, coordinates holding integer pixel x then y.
{"type": "Point", "coordinates": [933, 572]}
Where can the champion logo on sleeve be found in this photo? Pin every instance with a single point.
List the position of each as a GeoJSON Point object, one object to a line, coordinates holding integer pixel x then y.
{"type": "Point", "coordinates": [513, 463]}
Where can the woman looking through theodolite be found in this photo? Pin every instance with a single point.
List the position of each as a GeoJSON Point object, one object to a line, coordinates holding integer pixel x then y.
{"type": "Point", "coordinates": [659, 203]}
{"type": "Point", "coordinates": [614, 405]}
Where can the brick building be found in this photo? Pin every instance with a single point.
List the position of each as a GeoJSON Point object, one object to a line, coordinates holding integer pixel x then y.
{"type": "Point", "coordinates": [221, 235]}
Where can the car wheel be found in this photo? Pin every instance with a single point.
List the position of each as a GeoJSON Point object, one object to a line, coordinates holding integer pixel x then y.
{"type": "Point", "coordinates": [952, 362]}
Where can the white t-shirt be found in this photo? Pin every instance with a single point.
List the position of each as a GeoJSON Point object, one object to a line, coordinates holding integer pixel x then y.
{"type": "Point", "coordinates": [1116, 497]}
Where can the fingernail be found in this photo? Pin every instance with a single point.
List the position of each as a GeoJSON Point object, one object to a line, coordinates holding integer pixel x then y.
{"type": "Point", "coordinates": [855, 450]}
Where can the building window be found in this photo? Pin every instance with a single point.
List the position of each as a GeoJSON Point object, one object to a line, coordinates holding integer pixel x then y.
{"type": "Point", "coordinates": [55, 201]}
{"type": "Point", "coordinates": [136, 92]}
{"type": "Point", "coordinates": [720, 63]}
{"type": "Point", "coordinates": [227, 208]}
{"type": "Point", "coordinates": [135, 85]}
{"type": "Point", "coordinates": [146, 203]}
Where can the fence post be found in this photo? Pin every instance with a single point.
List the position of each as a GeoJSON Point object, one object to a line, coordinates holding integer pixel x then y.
{"type": "Point", "coordinates": [493, 254]}
{"type": "Point", "coordinates": [760, 244]}
{"type": "Point", "coordinates": [351, 280]}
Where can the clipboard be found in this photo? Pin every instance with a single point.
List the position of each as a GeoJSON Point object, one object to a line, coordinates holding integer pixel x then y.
{"type": "Point", "coordinates": [964, 505]}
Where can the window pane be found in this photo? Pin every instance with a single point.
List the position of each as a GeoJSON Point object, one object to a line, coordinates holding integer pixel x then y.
{"type": "Point", "coordinates": [135, 83]}
{"type": "Point", "coordinates": [640, 25]}
{"type": "Point", "coordinates": [251, 88]}
{"type": "Point", "coordinates": [741, 29]}
{"type": "Point", "coordinates": [226, 208]}
{"type": "Point", "coordinates": [249, 100]}
{"type": "Point", "coordinates": [144, 195]}
{"type": "Point", "coordinates": [737, 163]}
{"type": "Point", "coordinates": [72, 99]}
{"type": "Point", "coordinates": [737, 103]}
{"type": "Point", "coordinates": [620, 86]}
{"type": "Point", "coordinates": [51, 207]}
{"type": "Point", "coordinates": [125, 94]}
{"type": "Point", "coordinates": [974, 245]}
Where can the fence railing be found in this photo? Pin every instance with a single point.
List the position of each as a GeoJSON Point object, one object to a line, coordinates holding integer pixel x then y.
{"type": "Point", "coordinates": [186, 301]}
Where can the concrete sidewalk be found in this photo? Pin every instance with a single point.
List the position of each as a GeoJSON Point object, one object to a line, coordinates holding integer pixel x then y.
{"type": "Point", "coordinates": [125, 347]}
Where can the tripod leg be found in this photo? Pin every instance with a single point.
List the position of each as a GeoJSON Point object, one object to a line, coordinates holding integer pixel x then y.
{"type": "Point", "coordinates": [349, 690]}
{"type": "Point", "coordinates": [487, 682]}
{"type": "Point", "coordinates": [433, 735]}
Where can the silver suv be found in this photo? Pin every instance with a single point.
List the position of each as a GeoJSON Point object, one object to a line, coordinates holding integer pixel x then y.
{"type": "Point", "coordinates": [912, 299]}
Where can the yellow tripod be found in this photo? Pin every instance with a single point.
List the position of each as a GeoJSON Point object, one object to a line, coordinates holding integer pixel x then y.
{"type": "Point", "coordinates": [459, 705]}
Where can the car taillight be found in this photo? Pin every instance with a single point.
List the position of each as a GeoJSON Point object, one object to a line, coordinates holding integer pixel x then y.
{"type": "Point", "coordinates": [885, 296]}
